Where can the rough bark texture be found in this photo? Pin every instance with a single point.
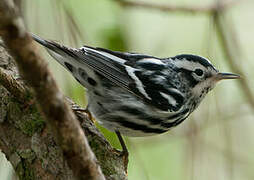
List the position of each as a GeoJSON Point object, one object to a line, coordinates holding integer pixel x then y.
{"type": "Point", "coordinates": [27, 140]}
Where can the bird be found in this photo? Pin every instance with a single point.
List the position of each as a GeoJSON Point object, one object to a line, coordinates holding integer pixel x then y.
{"type": "Point", "coordinates": [135, 94]}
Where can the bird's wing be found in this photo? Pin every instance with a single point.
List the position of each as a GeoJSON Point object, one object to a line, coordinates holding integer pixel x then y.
{"type": "Point", "coordinates": [109, 64]}
{"type": "Point", "coordinates": [139, 74]}
{"type": "Point", "coordinates": [126, 56]}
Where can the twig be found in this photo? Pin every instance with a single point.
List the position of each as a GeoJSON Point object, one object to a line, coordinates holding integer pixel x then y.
{"type": "Point", "coordinates": [52, 103]}
{"type": "Point", "coordinates": [175, 8]}
{"type": "Point", "coordinates": [224, 36]}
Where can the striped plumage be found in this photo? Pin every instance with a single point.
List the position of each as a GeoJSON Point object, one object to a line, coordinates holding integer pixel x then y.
{"type": "Point", "coordinates": [135, 94]}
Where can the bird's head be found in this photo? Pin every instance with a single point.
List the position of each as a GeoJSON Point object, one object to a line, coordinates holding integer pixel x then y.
{"type": "Point", "coordinates": [199, 74]}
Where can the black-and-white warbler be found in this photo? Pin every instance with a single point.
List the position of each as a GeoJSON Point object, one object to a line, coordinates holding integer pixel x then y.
{"type": "Point", "coordinates": [136, 94]}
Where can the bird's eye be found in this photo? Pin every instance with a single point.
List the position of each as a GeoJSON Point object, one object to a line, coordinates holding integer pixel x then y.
{"type": "Point", "coordinates": [199, 72]}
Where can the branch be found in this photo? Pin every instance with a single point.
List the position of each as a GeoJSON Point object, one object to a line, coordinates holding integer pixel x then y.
{"type": "Point", "coordinates": [173, 8]}
{"type": "Point", "coordinates": [51, 102]}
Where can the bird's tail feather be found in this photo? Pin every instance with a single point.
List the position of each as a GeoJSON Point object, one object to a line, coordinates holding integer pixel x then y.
{"type": "Point", "coordinates": [68, 58]}
{"type": "Point", "coordinates": [42, 41]}
{"type": "Point", "coordinates": [59, 52]}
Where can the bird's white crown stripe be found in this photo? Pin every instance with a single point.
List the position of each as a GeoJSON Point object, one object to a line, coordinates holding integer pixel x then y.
{"type": "Point", "coordinates": [189, 65]}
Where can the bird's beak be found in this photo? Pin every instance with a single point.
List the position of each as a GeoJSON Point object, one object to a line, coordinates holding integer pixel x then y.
{"type": "Point", "coordinates": [221, 76]}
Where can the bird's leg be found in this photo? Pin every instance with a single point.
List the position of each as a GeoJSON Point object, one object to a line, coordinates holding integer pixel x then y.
{"type": "Point", "coordinates": [124, 153]}
{"type": "Point", "coordinates": [85, 110]}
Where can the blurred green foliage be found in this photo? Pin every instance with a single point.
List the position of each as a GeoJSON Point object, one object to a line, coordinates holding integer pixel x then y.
{"type": "Point", "coordinates": [216, 141]}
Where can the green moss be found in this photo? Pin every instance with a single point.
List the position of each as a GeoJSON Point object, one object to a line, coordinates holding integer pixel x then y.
{"type": "Point", "coordinates": [25, 172]}
{"type": "Point", "coordinates": [27, 154]}
{"type": "Point", "coordinates": [108, 167]}
{"type": "Point", "coordinates": [93, 144]}
{"type": "Point", "coordinates": [28, 120]}
{"type": "Point", "coordinates": [24, 169]}
{"type": "Point", "coordinates": [28, 95]}
{"type": "Point", "coordinates": [32, 125]}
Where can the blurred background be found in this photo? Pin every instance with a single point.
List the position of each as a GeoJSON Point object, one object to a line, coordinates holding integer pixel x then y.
{"type": "Point", "coordinates": [216, 141]}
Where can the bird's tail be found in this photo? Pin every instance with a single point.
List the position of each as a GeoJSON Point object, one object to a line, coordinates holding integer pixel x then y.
{"type": "Point", "coordinates": [68, 58]}
{"type": "Point", "coordinates": [62, 54]}
{"type": "Point", "coordinates": [41, 41]}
